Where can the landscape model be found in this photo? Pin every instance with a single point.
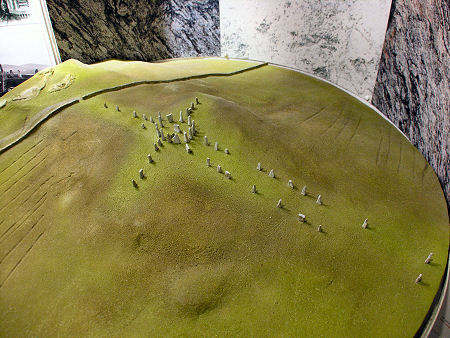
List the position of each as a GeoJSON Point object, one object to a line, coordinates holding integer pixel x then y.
{"type": "Point", "coordinates": [207, 197]}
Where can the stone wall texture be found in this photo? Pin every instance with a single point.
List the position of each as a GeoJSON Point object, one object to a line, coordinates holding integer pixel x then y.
{"type": "Point", "coordinates": [412, 87]}
{"type": "Point", "coordinates": [147, 30]}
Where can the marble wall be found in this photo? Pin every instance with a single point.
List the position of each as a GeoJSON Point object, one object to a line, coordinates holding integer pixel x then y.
{"type": "Point", "coordinates": [340, 41]}
{"type": "Point", "coordinates": [413, 83]}
{"type": "Point", "coordinates": [148, 30]}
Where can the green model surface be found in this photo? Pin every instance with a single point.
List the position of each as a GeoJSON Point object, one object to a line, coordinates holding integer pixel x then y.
{"type": "Point", "coordinates": [189, 252]}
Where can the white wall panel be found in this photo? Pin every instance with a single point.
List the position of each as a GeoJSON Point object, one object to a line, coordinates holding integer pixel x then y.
{"type": "Point", "coordinates": [335, 39]}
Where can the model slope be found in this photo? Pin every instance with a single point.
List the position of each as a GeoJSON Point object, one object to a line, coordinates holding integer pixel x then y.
{"type": "Point", "coordinates": [190, 249]}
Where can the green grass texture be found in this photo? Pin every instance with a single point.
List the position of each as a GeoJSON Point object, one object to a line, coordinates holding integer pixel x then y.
{"type": "Point", "coordinates": [192, 253]}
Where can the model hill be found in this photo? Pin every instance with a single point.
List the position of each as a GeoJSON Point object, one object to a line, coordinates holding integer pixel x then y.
{"type": "Point", "coordinates": [98, 238]}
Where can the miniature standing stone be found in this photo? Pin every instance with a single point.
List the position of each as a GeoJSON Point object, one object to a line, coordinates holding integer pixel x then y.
{"type": "Point", "coordinates": [193, 127]}
{"type": "Point", "coordinates": [143, 126]}
{"type": "Point", "coordinates": [419, 279]}
{"type": "Point", "coordinates": [135, 114]}
{"type": "Point", "coordinates": [160, 120]}
{"type": "Point", "coordinates": [271, 173]}
{"type": "Point", "coordinates": [159, 142]}
{"type": "Point", "coordinates": [156, 146]}
{"type": "Point", "coordinates": [192, 106]}
{"type": "Point", "coordinates": [216, 146]}
{"type": "Point", "coordinates": [196, 100]}
{"type": "Point", "coordinates": [226, 151]}
{"type": "Point", "coordinates": [105, 105]}
{"type": "Point", "coordinates": [227, 175]}
{"type": "Point", "coordinates": [176, 139]}
{"type": "Point", "coordinates": [258, 167]}
{"type": "Point", "coordinates": [151, 119]}
{"type": "Point", "coordinates": [117, 108]}
{"type": "Point", "coordinates": [144, 117]}
{"type": "Point", "coordinates": [188, 150]}
{"type": "Point", "coordinates": [163, 137]}
{"type": "Point", "coordinates": [319, 200]}
{"type": "Point", "coordinates": [319, 228]}
{"type": "Point", "coordinates": [169, 138]}
{"type": "Point", "coordinates": [141, 173]}
{"type": "Point", "coordinates": [186, 137]}
{"type": "Point", "coordinates": [206, 141]}
{"type": "Point", "coordinates": [291, 184]}
{"type": "Point", "coordinates": [176, 128]}
{"type": "Point", "coordinates": [429, 258]}
{"type": "Point", "coordinates": [365, 224]}
{"type": "Point", "coordinates": [304, 193]}
{"type": "Point", "coordinates": [150, 159]}
{"type": "Point", "coordinates": [208, 162]}
{"type": "Point", "coordinates": [158, 133]}
{"type": "Point", "coordinates": [189, 121]}
{"type": "Point", "coordinates": [191, 135]}
{"type": "Point", "coordinates": [219, 169]}
{"type": "Point", "coordinates": [302, 218]}
{"type": "Point", "coordinates": [169, 117]}
{"type": "Point", "coordinates": [134, 183]}
{"type": "Point", "coordinates": [279, 205]}
{"type": "Point", "coordinates": [188, 111]}
{"type": "Point", "coordinates": [254, 189]}
{"type": "Point", "coordinates": [181, 120]}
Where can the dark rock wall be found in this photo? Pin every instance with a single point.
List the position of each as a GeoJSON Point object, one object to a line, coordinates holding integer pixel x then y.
{"type": "Point", "coordinates": [412, 87]}
{"type": "Point", "coordinates": [148, 30]}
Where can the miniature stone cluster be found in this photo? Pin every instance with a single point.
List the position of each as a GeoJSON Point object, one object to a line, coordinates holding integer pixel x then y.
{"type": "Point", "coordinates": [173, 137]}
{"type": "Point", "coordinates": [189, 135]}
{"type": "Point", "coordinates": [301, 217]}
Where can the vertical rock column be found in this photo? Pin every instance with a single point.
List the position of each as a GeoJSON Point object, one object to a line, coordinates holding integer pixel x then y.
{"type": "Point", "coordinates": [146, 30]}
{"type": "Point", "coordinates": [412, 87]}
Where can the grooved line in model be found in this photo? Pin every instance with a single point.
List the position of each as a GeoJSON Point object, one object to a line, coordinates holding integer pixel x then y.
{"type": "Point", "coordinates": [21, 259]}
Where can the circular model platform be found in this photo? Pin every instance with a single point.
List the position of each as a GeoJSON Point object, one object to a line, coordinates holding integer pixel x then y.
{"type": "Point", "coordinates": [92, 245]}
